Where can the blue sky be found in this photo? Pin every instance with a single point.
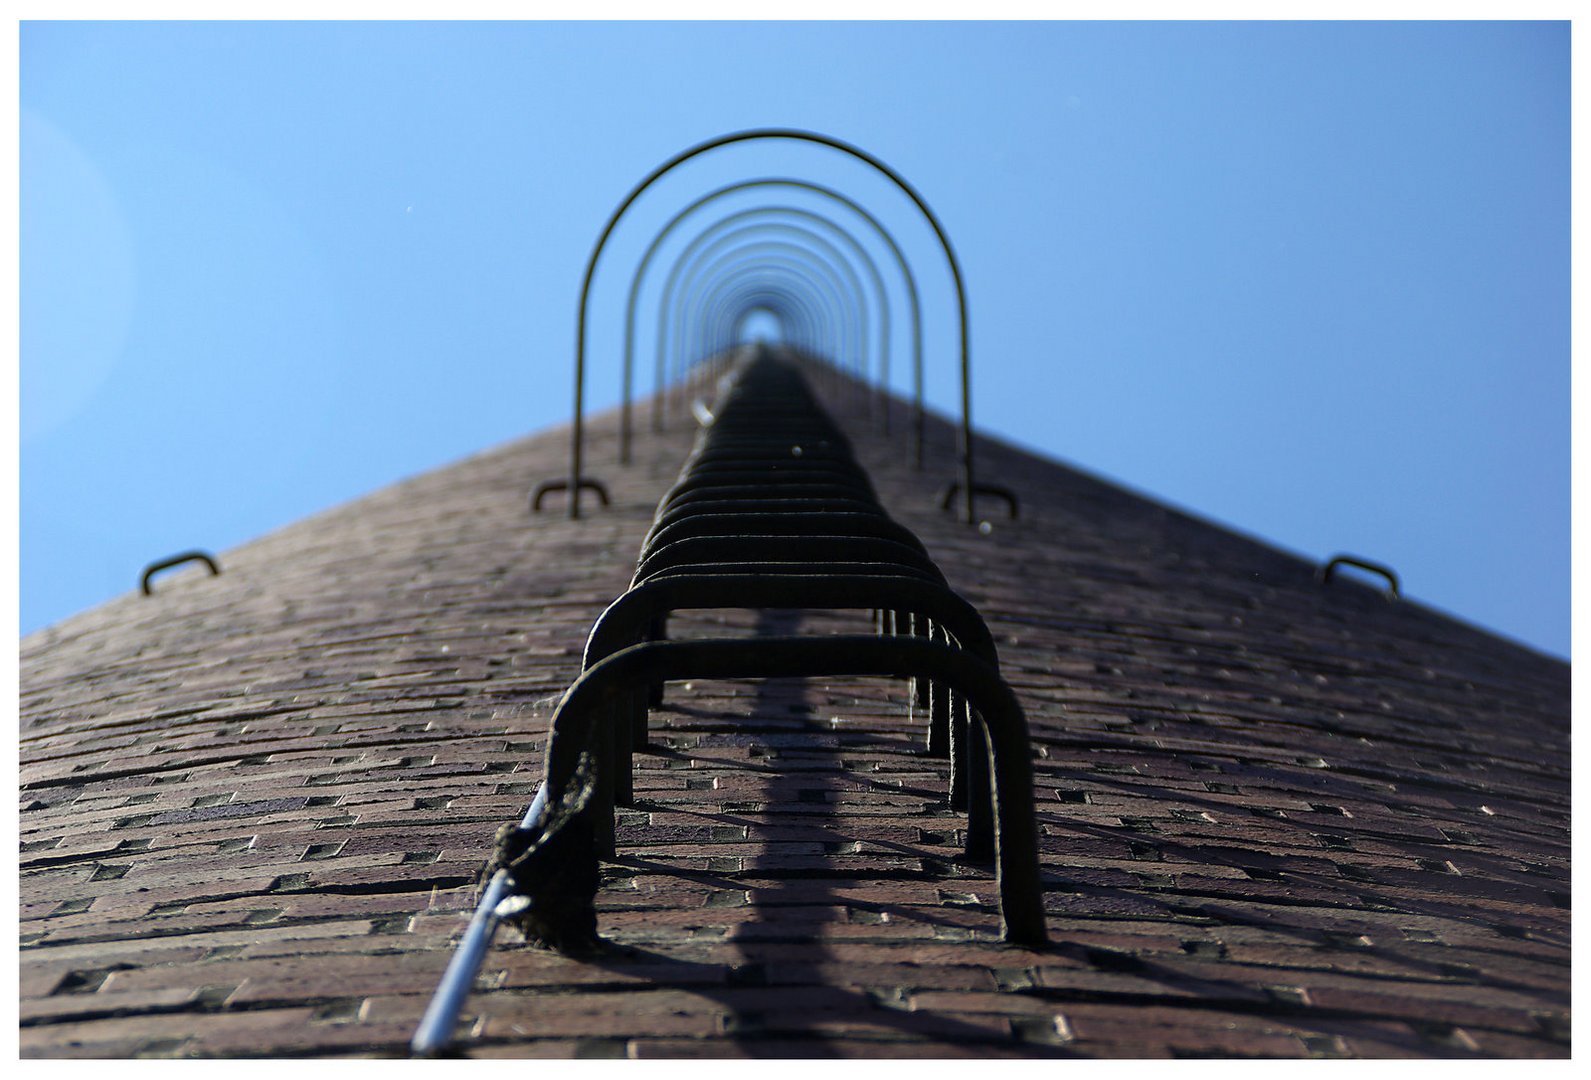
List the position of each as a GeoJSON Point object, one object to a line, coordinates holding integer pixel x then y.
{"type": "Point", "coordinates": [1310, 280]}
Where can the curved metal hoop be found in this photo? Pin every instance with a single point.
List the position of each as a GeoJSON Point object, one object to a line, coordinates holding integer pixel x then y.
{"type": "Point", "coordinates": [762, 289]}
{"type": "Point", "coordinates": [782, 235]}
{"type": "Point", "coordinates": [670, 293]}
{"type": "Point", "coordinates": [777, 304]}
{"type": "Point", "coordinates": [797, 135]}
{"type": "Point", "coordinates": [724, 328]}
{"type": "Point", "coordinates": [774, 289]}
{"type": "Point", "coordinates": [814, 279]}
{"type": "Point", "coordinates": [771, 262]}
{"type": "Point", "coordinates": [884, 234]}
{"type": "Point", "coordinates": [853, 247]}
{"type": "Point", "coordinates": [762, 275]}
{"type": "Point", "coordinates": [176, 560]}
{"type": "Point", "coordinates": [737, 326]}
{"type": "Point", "coordinates": [729, 304]}
{"type": "Point", "coordinates": [770, 291]}
{"type": "Point", "coordinates": [756, 216]}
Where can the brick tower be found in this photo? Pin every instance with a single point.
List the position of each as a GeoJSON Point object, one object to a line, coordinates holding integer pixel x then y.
{"type": "Point", "coordinates": [1277, 817]}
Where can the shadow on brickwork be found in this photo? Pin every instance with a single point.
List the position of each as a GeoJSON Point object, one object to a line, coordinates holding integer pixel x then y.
{"type": "Point", "coordinates": [781, 999]}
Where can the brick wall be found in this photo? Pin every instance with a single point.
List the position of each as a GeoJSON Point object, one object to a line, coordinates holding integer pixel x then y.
{"type": "Point", "coordinates": [1277, 818]}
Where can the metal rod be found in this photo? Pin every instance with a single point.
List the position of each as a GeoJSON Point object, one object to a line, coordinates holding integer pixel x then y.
{"type": "Point", "coordinates": [441, 1015]}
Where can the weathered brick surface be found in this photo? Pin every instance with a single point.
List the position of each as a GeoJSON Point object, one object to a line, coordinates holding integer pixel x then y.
{"type": "Point", "coordinates": [1276, 818]}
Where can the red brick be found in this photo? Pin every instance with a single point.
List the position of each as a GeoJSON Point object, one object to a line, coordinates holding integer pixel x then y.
{"type": "Point", "coordinates": [1254, 753]}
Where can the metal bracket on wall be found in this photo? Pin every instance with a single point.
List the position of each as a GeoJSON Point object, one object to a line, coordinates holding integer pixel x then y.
{"type": "Point", "coordinates": [176, 560]}
{"type": "Point", "coordinates": [1329, 571]}
{"type": "Point", "coordinates": [548, 486]}
{"type": "Point", "coordinates": [998, 491]}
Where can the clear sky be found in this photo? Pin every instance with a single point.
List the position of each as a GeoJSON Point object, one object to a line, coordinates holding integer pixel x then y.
{"type": "Point", "coordinates": [1309, 280]}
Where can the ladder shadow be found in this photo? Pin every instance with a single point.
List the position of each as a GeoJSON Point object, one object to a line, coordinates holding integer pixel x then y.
{"type": "Point", "coordinates": [757, 991]}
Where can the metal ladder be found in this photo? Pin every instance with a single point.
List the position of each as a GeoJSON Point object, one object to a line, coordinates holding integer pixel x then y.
{"type": "Point", "coordinates": [771, 510]}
